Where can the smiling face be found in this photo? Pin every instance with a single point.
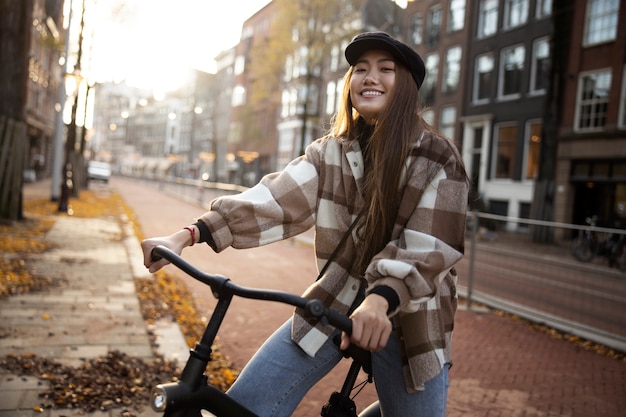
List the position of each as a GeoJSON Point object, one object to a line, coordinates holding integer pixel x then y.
{"type": "Point", "coordinates": [372, 82]}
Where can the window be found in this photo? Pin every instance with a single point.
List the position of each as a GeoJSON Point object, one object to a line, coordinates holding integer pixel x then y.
{"type": "Point", "coordinates": [544, 8]}
{"type": "Point", "coordinates": [601, 21]}
{"type": "Point", "coordinates": [417, 29]}
{"type": "Point", "coordinates": [593, 100]}
{"type": "Point", "coordinates": [505, 151]}
{"type": "Point", "coordinates": [430, 82]}
{"type": "Point", "coordinates": [540, 66]}
{"type": "Point", "coordinates": [515, 13]}
{"type": "Point", "coordinates": [482, 78]}
{"type": "Point", "coordinates": [239, 96]}
{"type": "Point", "coordinates": [487, 18]}
{"type": "Point", "coordinates": [240, 64]}
{"type": "Point", "coordinates": [433, 26]}
{"type": "Point", "coordinates": [456, 17]}
{"type": "Point", "coordinates": [288, 67]}
{"type": "Point", "coordinates": [284, 112]}
{"type": "Point", "coordinates": [621, 121]}
{"type": "Point", "coordinates": [533, 150]}
{"type": "Point", "coordinates": [452, 70]}
{"type": "Point", "coordinates": [448, 121]}
{"type": "Point", "coordinates": [511, 69]}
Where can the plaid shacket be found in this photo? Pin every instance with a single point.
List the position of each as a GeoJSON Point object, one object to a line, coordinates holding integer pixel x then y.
{"type": "Point", "coordinates": [323, 188]}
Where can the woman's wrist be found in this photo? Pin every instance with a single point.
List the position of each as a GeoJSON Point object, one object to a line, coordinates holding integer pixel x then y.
{"type": "Point", "coordinates": [191, 235]}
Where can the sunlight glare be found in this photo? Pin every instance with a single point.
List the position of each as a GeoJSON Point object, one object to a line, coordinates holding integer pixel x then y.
{"type": "Point", "coordinates": [155, 43]}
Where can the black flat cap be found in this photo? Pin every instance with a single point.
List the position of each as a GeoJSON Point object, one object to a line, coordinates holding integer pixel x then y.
{"type": "Point", "coordinates": [380, 40]}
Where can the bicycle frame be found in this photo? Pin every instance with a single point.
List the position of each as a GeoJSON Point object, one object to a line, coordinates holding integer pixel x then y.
{"type": "Point", "coordinates": [192, 392]}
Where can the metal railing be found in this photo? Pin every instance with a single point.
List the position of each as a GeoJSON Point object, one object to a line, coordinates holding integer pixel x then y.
{"type": "Point", "coordinates": [528, 268]}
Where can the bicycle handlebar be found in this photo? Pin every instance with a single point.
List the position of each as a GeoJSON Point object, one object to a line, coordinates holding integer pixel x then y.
{"type": "Point", "coordinates": [223, 286]}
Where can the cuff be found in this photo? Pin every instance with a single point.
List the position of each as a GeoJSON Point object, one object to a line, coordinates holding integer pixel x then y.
{"type": "Point", "coordinates": [389, 294]}
{"type": "Point", "coordinates": [205, 234]}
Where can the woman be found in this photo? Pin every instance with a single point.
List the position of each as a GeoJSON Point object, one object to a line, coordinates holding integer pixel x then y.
{"type": "Point", "coordinates": [397, 190]}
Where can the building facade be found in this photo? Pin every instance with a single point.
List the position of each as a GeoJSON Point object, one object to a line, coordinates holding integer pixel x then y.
{"type": "Point", "coordinates": [45, 77]}
{"type": "Point", "coordinates": [591, 159]}
{"type": "Point", "coordinates": [529, 90]}
{"type": "Point", "coordinates": [504, 99]}
{"type": "Point", "coordinates": [439, 32]}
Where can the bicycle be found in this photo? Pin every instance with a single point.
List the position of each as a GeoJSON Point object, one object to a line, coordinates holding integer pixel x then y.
{"type": "Point", "coordinates": [192, 393]}
{"type": "Point", "coordinates": [587, 246]}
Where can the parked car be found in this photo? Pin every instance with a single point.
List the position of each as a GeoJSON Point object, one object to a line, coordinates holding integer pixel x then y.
{"type": "Point", "coordinates": [100, 171]}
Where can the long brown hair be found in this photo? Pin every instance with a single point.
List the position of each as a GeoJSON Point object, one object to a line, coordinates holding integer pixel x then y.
{"type": "Point", "coordinates": [397, 128]}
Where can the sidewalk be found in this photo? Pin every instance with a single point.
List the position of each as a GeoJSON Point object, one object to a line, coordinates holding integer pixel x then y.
{"type": "Point", "coordinates": [92, 311]}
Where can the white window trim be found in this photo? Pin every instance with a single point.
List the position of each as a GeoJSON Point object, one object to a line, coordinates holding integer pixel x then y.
{"type": "Point", "coordinates": [475, 100]}
{"type": "Point", "coordinates": [446, 70]}
{"type": "Point", "coordinates": [506, 25]}
{"type": "Point", "coordinates": [579, 91]}
{"type": "Point", "coordinates": [586, 28]}
{"type": "Point", "coordinates": [533, 67]}
{"type": "Point", "coordinates": [481, 21]}
{"type": "Point", "coordinates": [501, 96]}
{"type": "Point", "coordinates": [539, 9]}
{"type": "Point", "coordinates": [449, 28]}
{"type": "Point", "coordinates": [452, 125]}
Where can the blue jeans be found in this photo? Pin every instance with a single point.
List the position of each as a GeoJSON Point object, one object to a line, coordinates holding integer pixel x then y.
{"type": "Point", "coordinates": [280, 374]}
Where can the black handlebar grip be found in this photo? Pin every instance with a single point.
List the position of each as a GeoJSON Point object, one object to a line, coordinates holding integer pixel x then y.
{"type": "Point", "coordinates": [340, 321]}
{"type": "Point", "coordinates": [154, 256]}
{"type": "Point", "coordinates": [315, 308]}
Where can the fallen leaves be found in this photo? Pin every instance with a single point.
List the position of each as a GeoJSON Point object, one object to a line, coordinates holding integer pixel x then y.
{"type": "Point", "coordinates": [101, 384]}
{"type": "Point", "coordinates": [152, 294]}
{"type": "Point", "coordinates": [17, 241]}
{"type": "Point", "coordinates": [116, 380]}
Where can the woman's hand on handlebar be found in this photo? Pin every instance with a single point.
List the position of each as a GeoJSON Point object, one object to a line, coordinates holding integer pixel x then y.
{"type": "Point", "coordinates": [371, 327]}
{"type": "Point", "coordinates": [175, 242]}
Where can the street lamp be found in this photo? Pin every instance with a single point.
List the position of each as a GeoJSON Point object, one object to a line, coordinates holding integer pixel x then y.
{"type": "Point", "coordinates": [73, 81]}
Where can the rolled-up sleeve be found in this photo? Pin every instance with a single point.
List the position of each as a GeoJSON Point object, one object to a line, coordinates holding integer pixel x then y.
{"type": "Point", "coordinates": [280, 206]}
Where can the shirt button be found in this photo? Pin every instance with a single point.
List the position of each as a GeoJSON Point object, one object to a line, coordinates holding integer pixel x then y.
{"type": "Point", "coordinates": [356, 164]}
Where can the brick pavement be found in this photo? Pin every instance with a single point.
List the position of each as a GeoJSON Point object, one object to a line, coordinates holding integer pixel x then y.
{"type": "Point", "coordinates": [503, 367]}
{"type": "Point", "coordinates": [91, 311]}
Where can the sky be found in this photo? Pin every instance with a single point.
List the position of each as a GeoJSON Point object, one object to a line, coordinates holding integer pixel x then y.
{"type": "Point", "coordinates": [152, 43]}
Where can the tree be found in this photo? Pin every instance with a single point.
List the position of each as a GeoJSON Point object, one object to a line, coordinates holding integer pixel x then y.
{"type": "Point", "coordinates": [15, 38]}
{"type": "Point", "coordinates": [303, 32]}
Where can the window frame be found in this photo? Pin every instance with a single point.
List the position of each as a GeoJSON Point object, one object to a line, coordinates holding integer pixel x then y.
{"type": "Point", "coordinates": [434, 26]}
{"type": "Point", "coordinates": [496, 147]}
{"type": "Point", "coordinates": [444, 126]}
{"type": "Point", "coordinates": [532, 87]}
{"type": "Point", "coordinates": [591, 103]}
{"type": "Point", "coordinates": [515, 5]}
{"type": "Point", "coordinates": [430, 82]}
{"type": "Point", "coordinates": [590, 19]}
{"type": "Point", "coordinates": [456, 8]}
{"type": "Point", "coordinates": [502, 73]}
{"type": "Point", "coordinates": [447, 72]}
{"type": "Point", "coordinates": [476, 100]}
{"type": "Point", "coordinates": [417, 29]}
{"type": "Point", "coordinates": [486, 17]}
{"type": "Point", "coordinates": [540, 9]}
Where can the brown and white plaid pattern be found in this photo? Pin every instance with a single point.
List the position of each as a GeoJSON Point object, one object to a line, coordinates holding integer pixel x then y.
{"type": "Point", "coordinates": [323, 188]}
